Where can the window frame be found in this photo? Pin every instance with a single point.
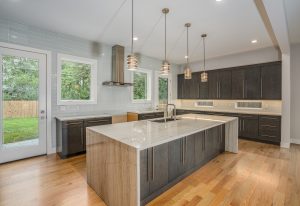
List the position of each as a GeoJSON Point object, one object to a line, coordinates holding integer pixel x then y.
{"type": "Point", "coordinates": [93, 86]}
{"type": "Point", "coordinates": [149, 84]}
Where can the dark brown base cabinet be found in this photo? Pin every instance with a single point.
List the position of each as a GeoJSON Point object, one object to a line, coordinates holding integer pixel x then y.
{"type": "Point", "coordinates": [152, 115]}
{"type": "Point", "coordinates": [163, 166]}
{"type": "Point", "coordinates": [261, 128]}
{"type": "Point", "coordinates": [70, 135]}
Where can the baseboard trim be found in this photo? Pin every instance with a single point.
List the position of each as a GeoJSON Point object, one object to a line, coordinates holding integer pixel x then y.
{"type": "Point", "coordinates": [285, 144]}
{"type": "Point", "coordinates": [295, 141]}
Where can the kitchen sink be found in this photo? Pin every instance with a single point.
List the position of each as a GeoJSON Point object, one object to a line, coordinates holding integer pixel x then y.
{"type": "Point", "coordinates": [163, 120]}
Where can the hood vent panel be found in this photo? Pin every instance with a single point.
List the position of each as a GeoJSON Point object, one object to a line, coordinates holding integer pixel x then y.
{"type": "Point", "coordinates": [117, 68]}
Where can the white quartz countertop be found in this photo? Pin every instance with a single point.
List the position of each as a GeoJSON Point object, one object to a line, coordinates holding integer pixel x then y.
{"type": "Point", "coordinates": [145, 134]}
{"type": "Point", "coordinates": [238, 111]}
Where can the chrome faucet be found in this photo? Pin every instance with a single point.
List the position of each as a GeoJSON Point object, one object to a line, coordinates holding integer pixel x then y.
{"type": "Point", "coordinates": [173, 115]}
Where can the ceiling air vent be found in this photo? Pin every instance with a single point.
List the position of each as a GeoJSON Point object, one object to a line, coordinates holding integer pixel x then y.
{"type": "Point", "coordinates": [248, 105]}
{"type": "Point", "coordinates": [204, 104]}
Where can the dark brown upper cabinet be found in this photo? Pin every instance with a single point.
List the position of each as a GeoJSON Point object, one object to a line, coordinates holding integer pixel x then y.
{"type": "Point", "coordinates": [271, 81]}
{"type": "Point", "coordinates": [254, 82]}
{"type": "Point", "coordinates": [246, 83]}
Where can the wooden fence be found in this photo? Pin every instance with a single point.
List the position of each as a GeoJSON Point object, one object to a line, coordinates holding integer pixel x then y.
{"type": "Point", "coordinates": [15, 109]}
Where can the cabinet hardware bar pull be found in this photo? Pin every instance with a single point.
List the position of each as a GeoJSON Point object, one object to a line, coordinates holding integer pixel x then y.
{"type": "Point", "coordinates": [243, 125]}
{"type": "Point", "coordinates": [268, 126]}
{"type": "Point", "coordinates": [185, 146]}
{"type": "Point", "coordinates": [81, 134]}
{"type": "Point", "coordinates": [96, 121]}
{"type": "Point", "coordinates": [152, 163]}
{"type": "Point", "coordinates": [73, 123]}
{"type": "Point", "coordinates": [148, 162]}
{"type": "Point", "coordinates": [243, 88]}
{"type": "Point", "coordinates": [261, 87]}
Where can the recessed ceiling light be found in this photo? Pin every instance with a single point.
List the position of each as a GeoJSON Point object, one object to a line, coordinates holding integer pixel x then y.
{"type": "Point", "coordinates": [185, 57]}
{"type": "Point", "coordinates": [219, 0]}
{"type": "Point", "coordinates": [254, 41]}
{"type": "Point", "coordinates": [135, 38]}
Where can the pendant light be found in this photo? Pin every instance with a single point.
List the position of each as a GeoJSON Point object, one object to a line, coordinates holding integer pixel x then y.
{"type": "Point", "coordinates": [165, 68]}
{"type": "Point", "coordinates": [187, 69]}
{"type": "Point", "coordinates": [204, 75]}
{"type": "Point", "coordinates": [132, 62]}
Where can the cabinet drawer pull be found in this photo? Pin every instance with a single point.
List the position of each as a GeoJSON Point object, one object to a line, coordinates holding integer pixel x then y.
{"type": "Point", "coordinates": [266, 125]}
{"type": "Point", "coordinates": [96, 121]}
{"type": "Point", "coordinates": [73, 123]}
{"type": "Point", "coordinates": [265, 135]}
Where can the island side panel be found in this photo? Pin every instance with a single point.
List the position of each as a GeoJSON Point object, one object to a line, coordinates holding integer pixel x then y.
{"type": "Point", "coordinates": [231, 136]}
{"type": "Point", "coordinates": [112, 170]}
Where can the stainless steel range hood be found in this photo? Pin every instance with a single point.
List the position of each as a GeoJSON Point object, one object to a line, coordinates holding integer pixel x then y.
{"type": "Point", "coordinates": [117, 68]}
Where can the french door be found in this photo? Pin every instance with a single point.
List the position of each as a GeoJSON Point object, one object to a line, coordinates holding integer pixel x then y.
{"type": "Point", "coordinates": [22, 104]}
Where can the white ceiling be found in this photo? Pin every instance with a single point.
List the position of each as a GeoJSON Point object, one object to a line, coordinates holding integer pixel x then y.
{"type": "Point", "coordinates": [230, 24]}
{"type": "Point", "coordinates": [293, 18]}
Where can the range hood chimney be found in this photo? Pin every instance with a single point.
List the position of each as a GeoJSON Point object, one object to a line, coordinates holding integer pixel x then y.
{"type": "Point", "coordinates": [117, 68]}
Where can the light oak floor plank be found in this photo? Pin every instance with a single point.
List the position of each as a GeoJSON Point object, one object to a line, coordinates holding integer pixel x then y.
{"type": "Point", "coordinates": [259, 175]}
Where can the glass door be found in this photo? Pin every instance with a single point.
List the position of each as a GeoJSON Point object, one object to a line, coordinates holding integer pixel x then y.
{"type": "Point", "coordinates": [22, 105]}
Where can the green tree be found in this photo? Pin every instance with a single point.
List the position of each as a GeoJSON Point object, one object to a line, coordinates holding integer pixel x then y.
{"type": "Point", "coordinates": [163, 90]}
{"type": "Point", "coordinates": [75, 81]}
{"type": "Point", "coordinates": [20, 78]}
{"type": "Point", "coordinates": [140, 85]}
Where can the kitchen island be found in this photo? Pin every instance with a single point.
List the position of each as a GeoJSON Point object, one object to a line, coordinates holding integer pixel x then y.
{"type": "Point", "coordinates": [132, 163]}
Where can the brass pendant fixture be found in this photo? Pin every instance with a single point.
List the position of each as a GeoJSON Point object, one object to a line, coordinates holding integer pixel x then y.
{"type": "Point", "coordinates": [132, 62]}
{"type": "Point", "coordinates": [187, 69]}
{"type": "Point", "coordinates": [204, 75]}
{"type": "Point", "coordinates": [165, 68]}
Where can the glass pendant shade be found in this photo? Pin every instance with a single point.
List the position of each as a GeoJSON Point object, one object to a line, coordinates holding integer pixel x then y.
{"type": "Point", "coordinates": [204, 77]}
{"type": "Point", "coordinates": [165, 68]}
{"type": "Point", "coordinates": [187, 72]}
{"type": "Point", "coordinates": [132, 62]}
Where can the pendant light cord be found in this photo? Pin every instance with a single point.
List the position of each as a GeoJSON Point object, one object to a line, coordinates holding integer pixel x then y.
{"type": "Point", "coordinates": [165, 36]}
{"type": "Point", "coordinates": [131, 26]}
{"type": "Point", "coordinates": [204, 51]}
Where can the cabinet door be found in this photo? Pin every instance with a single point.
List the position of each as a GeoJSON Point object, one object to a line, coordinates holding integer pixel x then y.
{"type": "Point", "coordinates": [176, 167]}
{"type": "Point", "coordinates": [189, 152]}
{"type": "Point", "coordinates": [224, 84]}
{"type": "Point", "coordinates": [180, 78]}
{"type": "Point", "coordinates": [159, 167]}
{"type": "Point", "coordinates": [199, 149]}
{"type": "Point", "coordinates": [213, 85]}
{"type": "Point", "coordinates": [271, 81]}
{"type": "Point", "coordinates": [195, 87]}
{"type": "Point", "coordinates": [211, 142]}
{"type": "Point", "coordinates": [203, 90]}
{"type": "Point", "coordinates": [238, 83]}
{"type": "Point", "coordinates": [73, 136]}
{"type": "Point", "coordinates": [144, 174]}
{"type": "Point", "coordinates": [249, 126]}
{"type": "Point", "coordinates": [253, 83]}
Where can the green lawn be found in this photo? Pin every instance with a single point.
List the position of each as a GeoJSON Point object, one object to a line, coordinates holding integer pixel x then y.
{"type": "Point", "coordinates": [20, 129]}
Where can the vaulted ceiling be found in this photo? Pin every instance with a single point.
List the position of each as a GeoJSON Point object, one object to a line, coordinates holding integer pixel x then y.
{"type": "Point", "coordinates": [230, 24]}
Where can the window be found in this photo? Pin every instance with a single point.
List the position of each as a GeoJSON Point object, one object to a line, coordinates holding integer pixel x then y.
{"type": "Point", "coordinates": [142, 85]}
{"type": "Point", "coordinates": [163, 90]}
{"type": "Point", "coordinates": [77, 80]}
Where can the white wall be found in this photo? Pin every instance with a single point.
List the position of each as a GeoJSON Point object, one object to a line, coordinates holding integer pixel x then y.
{"type": "Point", "coordinates": [295, 94]}
{"type": "Point", "coordinates": [246, 58]}
{"type": "Point", "coordinates": [110, 99]}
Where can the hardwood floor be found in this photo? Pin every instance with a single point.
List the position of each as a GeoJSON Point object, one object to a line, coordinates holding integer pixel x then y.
{"type": "Point", "coordinates": [260, 174]}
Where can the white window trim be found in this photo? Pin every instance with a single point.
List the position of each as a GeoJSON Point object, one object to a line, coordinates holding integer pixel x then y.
{"type": "Point", "coordinates": [156, 85]}
{"type": "Point", "coordinates": [149, 85]}
{"type": "Point", "coordinates": [93, 88]}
